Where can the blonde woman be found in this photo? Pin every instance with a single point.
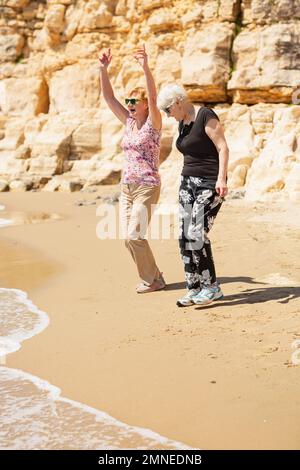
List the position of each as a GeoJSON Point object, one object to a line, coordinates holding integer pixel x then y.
{"type": "Point", "coordinates": [140, 183]}
{"type": "Point", "coordinates": [202, 189]}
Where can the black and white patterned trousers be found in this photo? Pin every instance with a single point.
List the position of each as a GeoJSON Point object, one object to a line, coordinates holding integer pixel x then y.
{"type": "Point", "coordinates": [199, 203]}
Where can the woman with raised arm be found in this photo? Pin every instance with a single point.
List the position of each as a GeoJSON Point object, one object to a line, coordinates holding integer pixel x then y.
{"type": "Point", "coordinates": [140, 183]}
{"type": "Point", "coordinates": [203, 186]}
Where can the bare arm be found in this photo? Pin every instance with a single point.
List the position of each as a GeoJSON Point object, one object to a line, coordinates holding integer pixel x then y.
{"type": "Point", "coordinates": [154, 112]}
{"type": "Point", "coordinates": [116, 107]}
{"type": "Point", "coordinates": [215, 132]}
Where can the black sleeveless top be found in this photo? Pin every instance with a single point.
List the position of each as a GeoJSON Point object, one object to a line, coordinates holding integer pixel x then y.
{"type": "Point", "coordinates": [201, 158]}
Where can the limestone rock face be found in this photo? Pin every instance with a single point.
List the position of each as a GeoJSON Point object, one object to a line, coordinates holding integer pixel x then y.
{"type": "Point", "coordinates": [205, 63]}
{"type": "Point", "coordinates": [18, 185]}
{"type": "Point", "coordinates": [17, 3]}
{"type": "Point", "coordinates": [11, 46]}
{"type": "Point", "coordinates": [275, 173]}
{"type": "Point", "coordinates": [270, 11]}
{"type": "Point", "coordinates": [74, 88]}
{"type": "Point", "coordinates": [267, 64]}
{"type": "Point", "coordinates": [239, 56]}
{"type": "Point", "coordinates": [24, 96]}
{"type": "Point", "coordinates": [3, 186]}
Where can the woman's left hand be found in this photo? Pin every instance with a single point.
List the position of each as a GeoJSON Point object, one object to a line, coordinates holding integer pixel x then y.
{"type": "Point", "coordinates": [141, 57]}
{"type": "Point", "coordinates": [221, 187]}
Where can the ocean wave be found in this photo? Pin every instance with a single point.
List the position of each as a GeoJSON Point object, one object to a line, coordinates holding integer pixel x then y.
{"type": "Point", "coordinates": [35, 416]}
{"type": "Point", "coordinates": [20, 319]}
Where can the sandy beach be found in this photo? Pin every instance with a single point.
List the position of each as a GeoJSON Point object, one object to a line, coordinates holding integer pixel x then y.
{"type": "Point", "coordinates": [220, 377]}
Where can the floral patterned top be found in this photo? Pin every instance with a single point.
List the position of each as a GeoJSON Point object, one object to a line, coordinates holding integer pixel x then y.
{"type": "Point", "coordinates": [141, 154]}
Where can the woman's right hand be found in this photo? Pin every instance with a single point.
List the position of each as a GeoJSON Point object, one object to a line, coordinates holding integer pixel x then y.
{"type": "Point", "coordinates": [105, 59]}
{"type": "Point", "coordinates": [141, 57]}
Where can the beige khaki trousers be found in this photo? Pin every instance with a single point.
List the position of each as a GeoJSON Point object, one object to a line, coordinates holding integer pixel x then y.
{"type": "Point", "coordinates": [137, 204]}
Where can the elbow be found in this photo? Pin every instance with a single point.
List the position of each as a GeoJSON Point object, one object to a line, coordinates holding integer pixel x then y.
{"type": "Point", "coordinates": [224, 149]}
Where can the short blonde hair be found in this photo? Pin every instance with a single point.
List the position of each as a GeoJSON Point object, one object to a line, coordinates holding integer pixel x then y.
{"type": "Point", "coordinates": [140, 93]}
{"type": "Point", "coordinates": [169, 94]}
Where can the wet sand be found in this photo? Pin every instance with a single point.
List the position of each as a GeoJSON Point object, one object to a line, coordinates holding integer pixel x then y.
{"type": "Point", "coordinates": [219, 377]}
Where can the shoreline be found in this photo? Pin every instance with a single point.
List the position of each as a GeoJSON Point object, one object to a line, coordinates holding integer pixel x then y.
{"type": "Point", "coordinates": [186, 374]}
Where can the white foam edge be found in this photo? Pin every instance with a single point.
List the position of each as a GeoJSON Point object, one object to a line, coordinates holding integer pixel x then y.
{"type": "Point", "coordinates": [100, 416]}
{"type": "Point", "coordinates": [4, 222]}
{"type": "Point", "coordinates": [14, 341]}
{"type": "Point", "coordinates": [54, 392]}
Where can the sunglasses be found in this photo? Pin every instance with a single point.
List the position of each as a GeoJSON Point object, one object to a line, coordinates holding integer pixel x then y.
{"type": "Point", "coordinates": [132, 101]}
{"type": "Point", "coordinates": [167, 110]}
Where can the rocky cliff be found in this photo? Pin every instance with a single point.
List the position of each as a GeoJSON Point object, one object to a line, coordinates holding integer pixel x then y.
{"type": "Point", "coordinates": [240, 56]}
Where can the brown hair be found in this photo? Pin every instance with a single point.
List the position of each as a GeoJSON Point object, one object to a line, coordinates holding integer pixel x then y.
{"type": "Point", "coordinates": [140, 93]}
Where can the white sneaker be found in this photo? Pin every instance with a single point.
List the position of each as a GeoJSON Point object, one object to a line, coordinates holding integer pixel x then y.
{"type": "Point", "coordinates": [207, 295]}
{"type": "Point", "coordinates": [186, 300]}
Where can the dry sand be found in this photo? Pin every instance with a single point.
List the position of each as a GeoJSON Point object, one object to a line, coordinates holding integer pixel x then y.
{"type": "Point", "coordinates": [219, 377]}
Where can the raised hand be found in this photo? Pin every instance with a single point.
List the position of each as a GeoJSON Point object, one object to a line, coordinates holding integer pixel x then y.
{"type": "Point", "coordinates": [141, 57]}
{"type": "Point", "coordinates": [105, 59]}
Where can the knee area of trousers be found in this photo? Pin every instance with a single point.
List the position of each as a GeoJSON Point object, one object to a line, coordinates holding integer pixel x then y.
{"type": "Point", "coordinates": [130, 241]}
